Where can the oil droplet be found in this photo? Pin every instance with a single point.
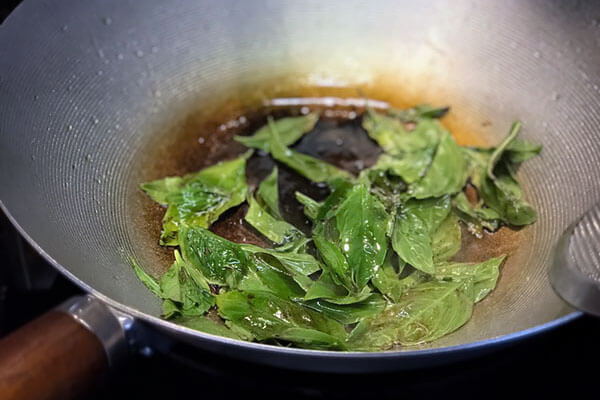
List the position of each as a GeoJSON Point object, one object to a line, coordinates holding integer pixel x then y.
{"type": "Point", "coordinates": [139, 53]}
{"type": "Point", "coordinates": [201, 140]}
{"type": "Point", "coordinates": [555, 96]}
{"type": "Point", "coordinates": [120, 56]}
{"type": "Point", "coordinates": [154, 49]}
{"type": "Point", "coordinates": [65, 28]}
{"type": "Point", "coordinates": [100, 72]}
{"type": "Point", "coordinates": [94, 120]}
{"type": "Point", "coordinates": [536, 54]}
{"type": "Point", "coordinates": [70, 127]}
{"type": "Point", "coordinates": [304, 110]}
{"type": "Point", "coordinates": [107, 20]}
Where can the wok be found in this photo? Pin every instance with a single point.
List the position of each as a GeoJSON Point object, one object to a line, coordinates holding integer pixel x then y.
{"type": "Point", "coordinates": [91, 92]}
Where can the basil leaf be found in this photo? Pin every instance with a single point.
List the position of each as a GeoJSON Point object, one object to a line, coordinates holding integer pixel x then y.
{"type": "Point", "coordinates": [386, 131]}
{"type": "Point", "coordinates": [264, 276]}
{"type": "Point", "coordinates": [519, 151]}
{"type": "Point", "coordinates": [312, 339]}
{"type": "Point", "coordinates": [476, 217]}
{"type": "Point", "coordinates": [349, 313]}
{"type": "Point", "coordinates": [353, 243]}
{"type": "Point", "coordinates": [311, 168]}
{"type": "Point", "coordinates": [184, 294]}
{"type": "Point", "coordinates": [408, 154]}
{"type": "Point", "coordinates": [418, 112]}
{"type": "Point", "coordinates": [326, 288]}
{"type": "Point", "coordinates": [207, 325]}
{"type": "Point", "coordinates": [290, 130]}
{"type": "Point", "coordinates": [299, 262]}
{"type": "Point", "coordinates": [503, 194]}
{"type": "Point", "coordinates": [415, 224]}
{"type": "Point", "coordinates": [275, 229]}
{"type": "Point", "coordinates": [160, 190]}
{"type": "Point", "coordinates": [220, 261]}
{"type": "Point", "coordinates": [267, 316]}
{"type": "Point", "coordinates": [150, 282]}
{"type": "Point", "coordinates": [425, 313]}
{"type": "Point", "coordinates": [481, 277]}
{"type": "Point", "coordinates": [446, 240]}
{"type": "Point", "coordinates": [268, 191]}
{"type": "Point", "coordinates": [197, 200]}
{"type": "Point", "coordinates": [311, 207]}
{"type": "Point", "coordinates": [447, 173]}
{"type": "Point", "coordinates": [387, 278]}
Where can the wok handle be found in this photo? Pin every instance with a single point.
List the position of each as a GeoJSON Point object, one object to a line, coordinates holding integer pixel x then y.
{"type": "Point", "coordinates": [61, 354]}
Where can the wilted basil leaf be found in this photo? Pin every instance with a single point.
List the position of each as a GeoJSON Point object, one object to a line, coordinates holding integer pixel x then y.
{"type": "Point", "coordinates": [220, 261]}
{"type": "Point", "coordinates": [415, 224]}
{"type": "Point", "coordinates": [267, 316]}
{"type": "Point", "coordinates": [197, 200]}
{"type": "Point", "coordinates": [349, 313]}
{"type": "Point", "coordinates": [290, 130]}
{"type": "Point", "coordinates": [425, 313]}
{"type": "Point", "coordinates": [480, 278]}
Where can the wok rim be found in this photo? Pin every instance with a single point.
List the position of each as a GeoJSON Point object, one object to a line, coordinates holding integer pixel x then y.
{"type": "Point", "coordinates": [294, 352]}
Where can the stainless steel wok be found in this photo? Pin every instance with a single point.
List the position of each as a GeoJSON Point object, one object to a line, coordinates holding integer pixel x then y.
{"type": "Point", "coordinates": [87, 88]}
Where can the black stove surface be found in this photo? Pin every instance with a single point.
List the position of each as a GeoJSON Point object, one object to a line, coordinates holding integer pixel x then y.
{"type": "Point", "coordinates": [563, 359]}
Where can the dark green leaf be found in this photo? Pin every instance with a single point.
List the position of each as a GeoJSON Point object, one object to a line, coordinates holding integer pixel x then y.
{"type": "Point", "coordinates": [415, 224]}
{"type": "Point", "coordinates": [498, 151]}
{"type": "Point", "coordinates": [414, 114]}
{"type": "Point", "coordinates": [290, 130]}
{"type": "Point", "coordinates": [349, 313]}
{"type": "Point", "coordinates": [220, 261]}
{"type": "Point", "coordinates": [326, 288]}
{"type": "Point", "coordinates": [386, 131]}
{"type": "Point", "coordinates": [267, 316]}
{"type": "Point", "coordinates": [266, 276]}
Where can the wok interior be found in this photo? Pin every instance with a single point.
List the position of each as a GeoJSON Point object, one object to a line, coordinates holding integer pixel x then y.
{"type": "Point", "coordinates": [94, 97]}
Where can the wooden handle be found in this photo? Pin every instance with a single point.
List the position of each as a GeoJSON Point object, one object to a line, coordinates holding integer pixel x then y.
{"type": "Point", "coordinates": [52, 357]}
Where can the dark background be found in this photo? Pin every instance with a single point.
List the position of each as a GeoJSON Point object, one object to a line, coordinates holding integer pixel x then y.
{"type": "Point", "coordinates": [565, 359]}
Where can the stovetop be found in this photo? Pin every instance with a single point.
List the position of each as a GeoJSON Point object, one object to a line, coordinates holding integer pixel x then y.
{"type": "Point", "coordinates": [561, 359]}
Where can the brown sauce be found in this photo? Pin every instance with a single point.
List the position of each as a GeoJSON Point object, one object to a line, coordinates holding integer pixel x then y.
{"type": "Point", "coordinates": [203, 139]}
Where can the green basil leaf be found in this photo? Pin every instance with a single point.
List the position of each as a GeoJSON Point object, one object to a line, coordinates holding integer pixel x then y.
{"type": "Point", "coordinates": [266, 276]}
{"type": "Point", "coordinates": [275, 229]}
{"type": "Point", "coordinates": [310, 167]}
{"type": "Point", "coordinates": [182, 293]}
{"type": "Point", "coordinates": [198, 199]}
{"type": "Point", "coordinates": [267, 316]}
{"type": "Point", "coordinates": [426, 312]}
{"type": "Point", "coordinates": [446, 240]}
{"type": "Point", "coordinates": [268, 191]}
{"type": "Point", "coordinates": [311, 207]}
{"type": "Point", "coordinates": [476, 217]}
{"type": "Point", "coordinates": [415, 224]}
{"type": "Point", "coordinates": [220, 261]}
{"type": "Point", "coordinates": [207, 325]}
{"type": "Point", "coordinates": [326, 288]}
{"type": "Point", "coordinates": [150, 282]}
{"type": "Point", "coordinates": [447, 173]}
{"type": "Point", "coordinates": [290, 130]}
{"type": "Point", "coordinates": [481, 277]}
{"type": "Point", "coordinates": [385, 130]}
{"type": "Point", "coordinates": [349, 313]}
